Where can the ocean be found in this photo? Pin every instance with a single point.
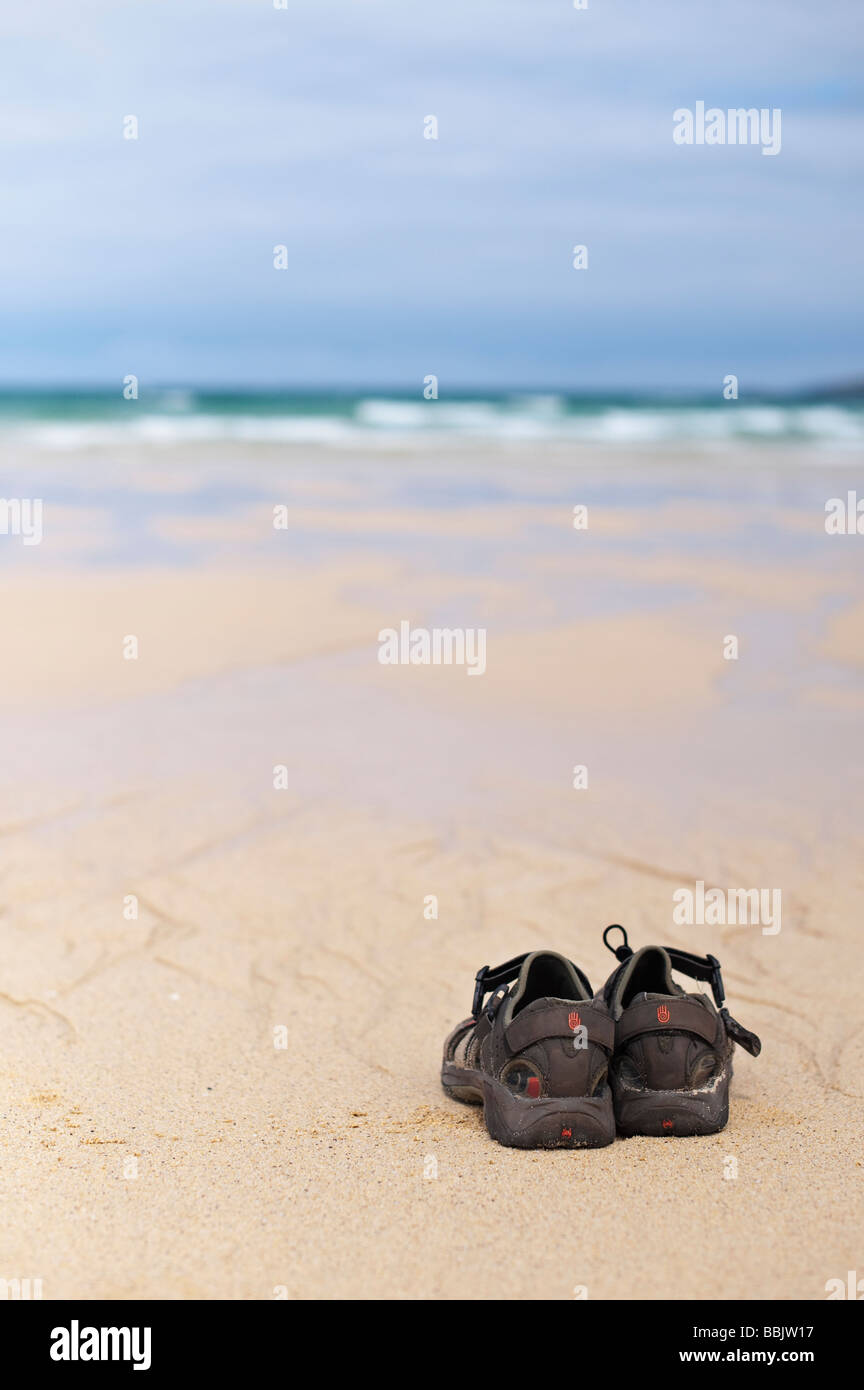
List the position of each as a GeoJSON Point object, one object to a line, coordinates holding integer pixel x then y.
{"type": "Point", "coordinates": [65, 420]}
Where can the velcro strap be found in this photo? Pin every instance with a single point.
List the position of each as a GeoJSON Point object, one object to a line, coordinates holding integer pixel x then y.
{"type": "Point", "coordinates": [683, 1015]}
{"type": "Point", "coordinates": [488, 979]}
{"type": "Point", "coordinates": [706, 968]}
{"type": "Point", "coordinates": [561, 1021]}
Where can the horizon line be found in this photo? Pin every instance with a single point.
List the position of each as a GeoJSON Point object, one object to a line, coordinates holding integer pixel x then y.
{"type": "Point", "coordinates": [852, 386]}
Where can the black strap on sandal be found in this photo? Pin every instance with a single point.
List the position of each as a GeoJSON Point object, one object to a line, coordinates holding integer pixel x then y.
{"type": "Point", "coordinates": [704, 968]}
{"type": "Point", "coordinates": [487, 979]}
{"type": "Point", "coordinates": [741, 1035]}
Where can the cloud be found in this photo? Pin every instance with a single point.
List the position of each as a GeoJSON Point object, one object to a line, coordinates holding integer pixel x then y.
{"type": "Point", "coordinates": [304, 127]}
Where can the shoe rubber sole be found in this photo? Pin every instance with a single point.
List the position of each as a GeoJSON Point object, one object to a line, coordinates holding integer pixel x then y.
{"type": "Point", "coordinates": [671, 1114]}
{"type": "Point", "coordinates": [556, 1122]}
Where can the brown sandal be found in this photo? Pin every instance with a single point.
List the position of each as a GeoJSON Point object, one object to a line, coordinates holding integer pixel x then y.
{"type": "Point", "coordinates": [673, 1050]}
{"type": "Point", "coordinates": [536, 1055]}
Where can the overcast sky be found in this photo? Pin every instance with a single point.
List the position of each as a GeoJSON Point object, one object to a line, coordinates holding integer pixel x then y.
{"type": "Point", "coordinates": [408, 256]}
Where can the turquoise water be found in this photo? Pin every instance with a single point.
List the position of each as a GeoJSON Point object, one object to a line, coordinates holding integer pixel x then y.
{"type": "Point", "coordinates": [74, 420]}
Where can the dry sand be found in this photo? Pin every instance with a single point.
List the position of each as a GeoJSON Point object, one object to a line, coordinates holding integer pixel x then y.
{"type": "Point", "coordinates": [156, 1142]}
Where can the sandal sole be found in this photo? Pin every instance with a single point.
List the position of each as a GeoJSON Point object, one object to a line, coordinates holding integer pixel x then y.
{"type": "Point", "coordinates": [556, 1122]}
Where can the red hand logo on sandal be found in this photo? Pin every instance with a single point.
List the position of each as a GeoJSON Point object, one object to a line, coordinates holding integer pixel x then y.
{"type": "Point", "coordinates": [662, 1014]}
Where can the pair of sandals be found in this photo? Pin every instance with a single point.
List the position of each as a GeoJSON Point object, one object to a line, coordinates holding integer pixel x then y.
{"type": "Point", "coordinates": [556, 1066]}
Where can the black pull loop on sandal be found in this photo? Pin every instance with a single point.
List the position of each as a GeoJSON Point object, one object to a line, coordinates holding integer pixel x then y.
{"type": "Point", "coordinates": [622, 952]}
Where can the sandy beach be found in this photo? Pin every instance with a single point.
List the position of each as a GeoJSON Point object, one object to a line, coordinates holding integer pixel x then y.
{"type": "Point", "coordinates": [223, 994]}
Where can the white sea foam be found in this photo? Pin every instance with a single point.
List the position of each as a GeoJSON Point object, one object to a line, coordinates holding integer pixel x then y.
{"type": "Point", "coordinates": [179, 418]}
